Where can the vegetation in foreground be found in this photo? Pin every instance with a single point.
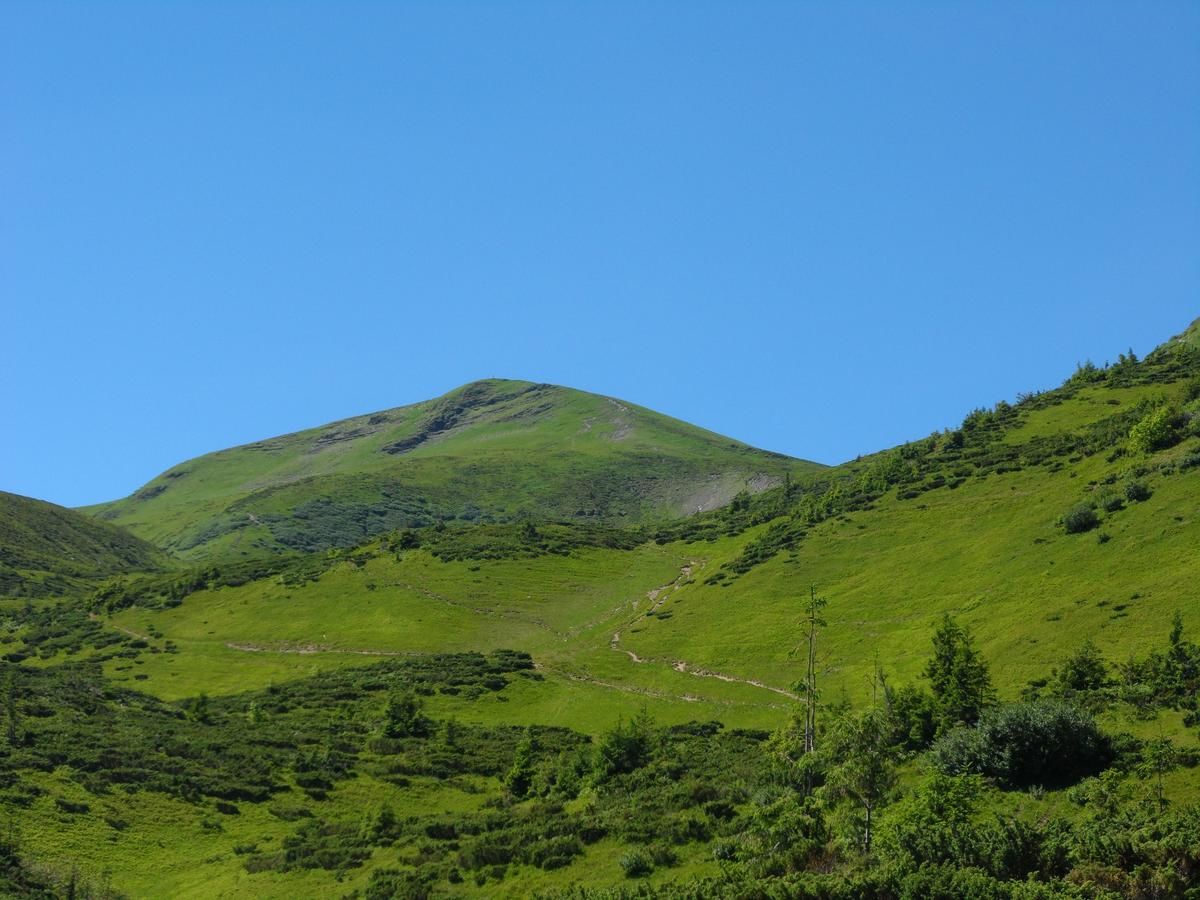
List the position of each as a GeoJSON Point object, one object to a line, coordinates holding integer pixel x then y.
{"type": "Point", "coordinates": [934, 789]}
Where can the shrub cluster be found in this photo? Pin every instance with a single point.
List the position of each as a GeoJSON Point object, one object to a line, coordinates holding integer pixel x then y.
{"type": "Point", "coordinates": [1049, 743]}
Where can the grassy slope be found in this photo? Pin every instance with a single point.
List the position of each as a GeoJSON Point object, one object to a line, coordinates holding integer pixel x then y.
{"type": "Point", "coordinates": [989, 552]}
{"type": "Point", "coordinates": [563, 610]}
{"type": "Point", "coordinates": [1191, 335]}
{"type": "Point", "coordinates": [47, 549]}
{"type": "Point", "coordinates": [492, 450]}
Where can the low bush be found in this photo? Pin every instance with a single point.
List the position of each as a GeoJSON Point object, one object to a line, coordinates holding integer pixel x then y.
{"type": "Point", "coordinates": [636, 864]}
{"type": "Point", "coordinates": [1050, 743]}
{"type": "Point", "coordinates": [1159, 429]}
{"type": "Point", "coordinates": [1136, 491]}
{"type": "Point", "coordinates": [1079, 519]}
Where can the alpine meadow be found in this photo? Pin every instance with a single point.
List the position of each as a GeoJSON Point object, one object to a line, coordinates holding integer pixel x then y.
{"type": "Point", "coordinates": [522, 640]}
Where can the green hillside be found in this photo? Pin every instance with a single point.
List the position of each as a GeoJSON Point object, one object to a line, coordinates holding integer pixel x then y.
{"type": "Point", "coordinates": [966, 522]}
{"type": "Point", "coordinates": [459, 707]}
{"type": "Point", "coordinates": [1192, 335]}
{"type": "Point", "coordinates": [491, 451]}
{"type": "Point", "coordinates": [48, 550]}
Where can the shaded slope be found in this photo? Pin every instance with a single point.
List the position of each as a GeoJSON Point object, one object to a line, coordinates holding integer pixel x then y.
{"type": "Point", "coordinates": [47, 549]}
{"type": "Point", "coordinates": [492, 450]}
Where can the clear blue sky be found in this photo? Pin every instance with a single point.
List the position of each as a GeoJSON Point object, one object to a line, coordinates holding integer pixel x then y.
{"type": "Point", "coordinates": [823, 228]}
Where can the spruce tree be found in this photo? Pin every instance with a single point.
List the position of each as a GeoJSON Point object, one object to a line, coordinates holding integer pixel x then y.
{"type": "Point", "coordinates": [958, 676]}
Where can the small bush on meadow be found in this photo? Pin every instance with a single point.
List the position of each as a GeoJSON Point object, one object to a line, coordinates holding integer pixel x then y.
{"type": "Point", "coordinates": [1136, 491]}
{"type": "Point", "coordinates": [636, 864]}
{"type": "Point", "coordinates": [1079, 519]}
{"type": "Point", "coordinates": [1159, 429]}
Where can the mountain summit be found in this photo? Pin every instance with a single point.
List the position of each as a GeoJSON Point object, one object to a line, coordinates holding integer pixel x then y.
{"type": "Point", "coordinates": [492, 450]}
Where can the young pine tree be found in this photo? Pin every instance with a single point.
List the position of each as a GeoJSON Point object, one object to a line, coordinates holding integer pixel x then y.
{"type": "Point", "coordinates": [958, 676]}
{"type": "Point", "coordinates": [520, 775]}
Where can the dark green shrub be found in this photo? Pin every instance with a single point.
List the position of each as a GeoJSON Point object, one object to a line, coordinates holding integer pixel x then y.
{"type": "Point", "coordinates": [719, 810]}
{"type": "Point", "coordinates": [933, 824]}
{"type": "Point", "coordinates": [636, 864]}
{"type": "Point", "coordinates": [1136, 491]}
{"type": "Point", "coordinates": [71, 807]}
{"type": "Point", "coordinates": [1083, 670]}
{"type": "Point", "coordinates": [489, 850]}
{"type": "Point", "coordinates": [624, 749]}
{"type": "Point", "coordinates": [1079, 519]}
{"type": "Point", "coordinates": [386, 884]}
{"type": "Point", "coordinates": [1049, 743]}
{"type": "Point", "coordinates": [952, 883]}
{"type": "Point", "coordinates": [663, 855]}
{"type": "Point", "coordinates": [724, 851]}
{"type": "Point", "coordinates": [555, 852]}
{"type": "Point", "coordinates": [402, 717]}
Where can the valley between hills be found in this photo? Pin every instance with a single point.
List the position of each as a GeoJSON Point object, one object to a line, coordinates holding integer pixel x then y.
{"type": "Point", "coordinates": [524, 640]}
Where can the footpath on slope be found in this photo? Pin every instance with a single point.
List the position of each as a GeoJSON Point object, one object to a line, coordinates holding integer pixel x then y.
{"type": "Point", "coordinates": [659, 596]}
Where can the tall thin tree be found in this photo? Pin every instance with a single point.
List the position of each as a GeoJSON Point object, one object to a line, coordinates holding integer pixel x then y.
{"type": "Point", "coordinates": [8, 690]}
{"type": "Point", "coordinates": [812, 622]}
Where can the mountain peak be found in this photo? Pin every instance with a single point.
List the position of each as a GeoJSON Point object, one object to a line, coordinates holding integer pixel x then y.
{"type": "Point", "coordinates": [492, 450]}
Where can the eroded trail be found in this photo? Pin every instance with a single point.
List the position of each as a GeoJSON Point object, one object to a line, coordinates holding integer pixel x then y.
{"type": "Point", "coordinates": [654, 600]}
{"type": "Point", "coordinates": [657, 597]}
{"type": "Point", "coordinates": [306, 649]}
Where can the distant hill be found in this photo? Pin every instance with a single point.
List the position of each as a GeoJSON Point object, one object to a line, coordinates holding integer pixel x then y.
{"type": "Point", "coordinates": [47, 549]}
{"type": "Point", "coordinates": [491, 451]}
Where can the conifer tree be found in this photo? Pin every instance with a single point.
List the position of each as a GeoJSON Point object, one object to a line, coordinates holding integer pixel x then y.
{"type": "Point", "coordinates": [958, 676]}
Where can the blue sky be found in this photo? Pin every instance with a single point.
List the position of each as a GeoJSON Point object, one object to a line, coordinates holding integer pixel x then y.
{"type": "Point", "coordinates": [823, 228]}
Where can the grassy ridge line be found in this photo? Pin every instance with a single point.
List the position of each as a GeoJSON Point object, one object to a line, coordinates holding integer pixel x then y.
{"type": "Point", "coordinates": [494, 450]}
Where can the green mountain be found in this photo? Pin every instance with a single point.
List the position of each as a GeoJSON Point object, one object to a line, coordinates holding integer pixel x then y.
{"type": "Point", "coordinates": [520, 698]}
{"type": "Point", "coordinates": [47, 550]}
{"type": "Point", "coordinates": [491, 451]}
